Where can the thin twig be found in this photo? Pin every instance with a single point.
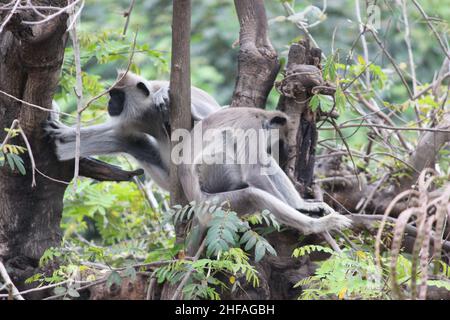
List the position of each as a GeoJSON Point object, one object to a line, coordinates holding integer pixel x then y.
{"type": "Point", "coordinates": [291, 12]}
{"type": "Point", "coordinates": [328, 238]}
{"type": "Point", "coordinates": [35, 105]}
{"type": "Point", "coordinates": [128, 15]}
{"type": "Point", "coordinates": [410, 56]}
{"type": "Point", "coordinates": [78, 91]}
{"type": "Point", "coordinates": [9, 16]}
{"type": "Point", "coordinates": [30, 155]}
{"type": "Point", "coordinates": [387, 128]}
{"type": "Point", "coordinates": [118, 80]}
{"type": "Point", "coordinates": [372, 193]}
{"type": "Point", "coordinates": [188, 274]}
{"type": "Point", "coordinates": [75, 17]}
{"type": "Point", "coordinates": [13, 290]}
{"type": "Point", "coordinates": [54, 15]}
{"type": "Point", "coordinates": [394, 64]}
{"type": "Point", "coordinates": [436, 34]}
{"type": "Point", "coordinates": [362, 31]}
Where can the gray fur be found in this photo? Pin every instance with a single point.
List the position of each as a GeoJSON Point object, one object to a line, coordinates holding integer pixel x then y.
{"type": "Point", "coordinates": [244, 187]}
{"type": "Point", "coordinates": [138, 130]}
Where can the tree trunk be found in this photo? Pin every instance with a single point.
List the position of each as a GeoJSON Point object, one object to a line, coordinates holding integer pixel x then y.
{"type": "Point", "coordinates": [257, 61]}
{"type": "Point", "coordinates": [180, 85]}
{"type": "Point", "coordinates": [30, 67]}
{"type": "Point", "coordinates": [257, 68]}
{"type": "Point", "coordinates": [180, 106]}
{"type": "Point", "coordinates": [30, 64]}
{"type": "Point", "coordinates": [301, 75]}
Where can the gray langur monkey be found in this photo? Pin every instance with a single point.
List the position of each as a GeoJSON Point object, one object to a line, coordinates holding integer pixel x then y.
{"type": "Point", "coordinates": [243, 185]}
{"type": "Point", "coordinates": [138, 125]}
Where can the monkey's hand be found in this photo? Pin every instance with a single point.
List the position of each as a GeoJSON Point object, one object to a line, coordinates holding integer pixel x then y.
{"type": "Point", "coordinates": [63, 138]}
{"type": "Point", "coordinates": [58, 131]}
{"type": "Point", "coordinates": [161, 99]}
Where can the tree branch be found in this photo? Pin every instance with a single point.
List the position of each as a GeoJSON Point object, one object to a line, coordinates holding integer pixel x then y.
{"type": "Point", "coordinates": [257, 61]}
{"type": "Point", "coordinates": [103, 171]}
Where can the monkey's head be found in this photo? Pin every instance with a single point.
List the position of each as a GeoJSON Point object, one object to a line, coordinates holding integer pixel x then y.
{"type": "Point", "coordinates": [278, 121]}
{"type": "Point", "coordinates": [130, 98]}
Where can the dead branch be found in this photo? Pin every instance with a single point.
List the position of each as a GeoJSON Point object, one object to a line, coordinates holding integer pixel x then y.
{"type": "Point", "coordinates": [372, 222]}
{"type": "Point", "coordinates": [14, 293]}
{"type": "Point", "coordinates": [186, 277]}
{"type": "Point", "coordinates": [429, 144]}
{"type": "Point", "coordinates": [103, 171]}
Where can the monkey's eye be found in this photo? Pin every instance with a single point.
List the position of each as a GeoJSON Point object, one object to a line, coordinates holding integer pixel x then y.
{"type": "Point", "coordinates": [275, 122]}
{"type": "Point", "coordinates": [141, 86]}
{"type": "Point", "coordinates": [281, 121]}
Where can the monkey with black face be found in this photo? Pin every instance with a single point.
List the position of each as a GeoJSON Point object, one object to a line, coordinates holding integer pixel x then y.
{"type": "Point", "coordinates": [138, 125]}
{"type": "Point", "coordinates": [248, 187]}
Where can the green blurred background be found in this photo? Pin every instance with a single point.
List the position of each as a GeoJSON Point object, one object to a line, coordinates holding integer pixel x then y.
{"type": "Point", "coordinates": [215, 28]}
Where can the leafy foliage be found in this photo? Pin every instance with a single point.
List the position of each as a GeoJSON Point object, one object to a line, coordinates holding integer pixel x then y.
{"type": "Point", "coordinates": [115, 227]}
{"type": "Point", "coordinates": [226, 230]}
{"type": "Point", "coordinates": [208, 274]}
{"type": "Point", "coordinates": [10, 154]}
{"type": "Point", "coordinates": [354, 274]}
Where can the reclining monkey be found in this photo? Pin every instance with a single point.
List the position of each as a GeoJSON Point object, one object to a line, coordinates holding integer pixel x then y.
{"type": "Point", "coordinates": [138, 126]}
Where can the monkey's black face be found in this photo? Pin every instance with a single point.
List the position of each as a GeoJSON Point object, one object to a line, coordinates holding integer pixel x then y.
{"type": "Point", "coordinates": [116, 102]}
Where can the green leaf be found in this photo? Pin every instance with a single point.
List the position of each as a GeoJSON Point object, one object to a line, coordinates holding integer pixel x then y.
{"type": "Point", "coordinates": [314, 103]}
{"type": "Point", "coordinates": [19, 163]}
{"type": "Point", "coordinates": [260, 251]}
{"type": "Point", "coordinates": [114, 278]}
{"type": "Point", "coordinates": [130, 272]}
{"type": "Point", "coordinates": [10, 160]}
{"type": "Point", "coordinates": [60, 290]}
{"type": "Point", "coordinates": [251, 242]}
{"type": "Point", "coordinates": [73, 293]}
{"type": "Point", "coordinates": [329, 70]}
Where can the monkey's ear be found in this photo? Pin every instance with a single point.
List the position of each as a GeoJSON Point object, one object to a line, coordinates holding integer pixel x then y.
{"type": "Point", "coordinates": [278, 121]}
{"type": "Point", "coordinates": [141, 86]}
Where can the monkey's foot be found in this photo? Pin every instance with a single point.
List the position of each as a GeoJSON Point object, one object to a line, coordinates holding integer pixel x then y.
{"type": "Point", "coordinates": [333, 221]}
{"type": "Point", "coordinates": [316, 209]}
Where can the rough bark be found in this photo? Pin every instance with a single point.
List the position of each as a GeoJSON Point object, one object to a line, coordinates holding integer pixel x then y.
{"type": "Point", "coordinates": [180, 84]}
{"type": "Point", "coordinates": [347, 192]}
{"type": "Point", "coordinates": [180, 104]}
{"type": "Point", "coordinates": [30, 65]}
{"type": "Point", "coordinates": [301, 76]}
{"type": "Point", "coordinates": [257, 61]}
{"type": "Point", "coordinates": [429, 145]}
{"type": "Point", "coordinates": [258, 67]}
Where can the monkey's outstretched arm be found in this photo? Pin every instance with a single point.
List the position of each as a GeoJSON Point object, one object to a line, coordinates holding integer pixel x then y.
{"type": "Point", "coordinates": [253, 199]}
{"type": "Point", "coordinates": [102, 139]}
{"type": "Point", "coordinates": [281, 186]}
{"type": "Point", "coordinates": [94, 140]}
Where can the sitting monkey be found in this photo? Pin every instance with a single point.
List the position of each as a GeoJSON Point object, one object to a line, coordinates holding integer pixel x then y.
{"type": "Point", "coordinates": [246, 186]}
{"type": "Point", "coordinates": [138, 125]}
